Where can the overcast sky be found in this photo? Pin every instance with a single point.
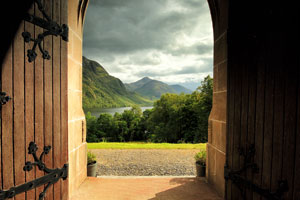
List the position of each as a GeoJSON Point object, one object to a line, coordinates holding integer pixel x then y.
{"type": "Point", "coordinates": [167, 40]}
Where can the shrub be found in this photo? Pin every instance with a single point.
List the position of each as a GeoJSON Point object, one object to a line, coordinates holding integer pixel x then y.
{"type": "Point", "coordinates": [200, 158]}
{"type": "Point", "coordinates": [91, 158]}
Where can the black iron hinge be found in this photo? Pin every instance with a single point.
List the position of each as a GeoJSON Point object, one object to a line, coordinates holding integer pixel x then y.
{"type": "Point", "coordinates": [50, 28]}
{"type": "Point", "coordinates": [235, 176]}
{"type": "Point", "coordinates": [51, 177]}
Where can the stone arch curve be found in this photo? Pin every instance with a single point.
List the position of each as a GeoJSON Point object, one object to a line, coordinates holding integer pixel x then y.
{"type": "Point", "coordinates": [218, 9]}
{"type": "Point", "coordinates": [217, 125]}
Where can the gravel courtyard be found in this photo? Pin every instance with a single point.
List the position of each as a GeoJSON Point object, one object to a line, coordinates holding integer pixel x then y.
{"type": "Point", "coordinates": [145, 162]}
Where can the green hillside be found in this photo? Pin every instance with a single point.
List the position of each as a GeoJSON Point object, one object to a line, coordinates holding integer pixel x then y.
{"type": "Point", "coordinates": [135, 85]}
{"type": "Point", "coordinates": [100, 90]}
{"type": "Point", "coordinates": [179, 89]}
{"type": "Point", "coordinates": [153, 89]}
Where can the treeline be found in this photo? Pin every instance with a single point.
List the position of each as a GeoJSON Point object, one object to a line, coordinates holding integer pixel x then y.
{"type": "Point", "coordinates": [174, 118]}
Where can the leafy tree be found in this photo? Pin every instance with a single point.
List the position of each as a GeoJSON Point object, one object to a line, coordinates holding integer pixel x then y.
{"type": "Point", "coordinates": [174, 118]}
{"type": "Point", "coordinates": [92, 129]}
{"type": "Point", "coordinates": [204, 107]}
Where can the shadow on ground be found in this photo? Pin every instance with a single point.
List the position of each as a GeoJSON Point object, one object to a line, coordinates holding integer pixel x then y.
{"type": "Point", "coordinates": [187, 189]}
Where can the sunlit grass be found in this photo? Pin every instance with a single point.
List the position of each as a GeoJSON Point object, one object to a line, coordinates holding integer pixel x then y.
{"type": "Point", "coordinates": [142, 145]}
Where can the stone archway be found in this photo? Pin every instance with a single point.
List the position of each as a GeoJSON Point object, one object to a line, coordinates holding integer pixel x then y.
{"type": "Point", "coordinates": [217, 122]}
{"type": "Point", "coordinates": [216, 147]}
{"type": "Point", "coordinates": [77, 146]}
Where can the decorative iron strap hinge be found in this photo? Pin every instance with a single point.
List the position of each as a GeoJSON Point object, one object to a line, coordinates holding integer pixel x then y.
{"type": "Point", "coordinates": [51, 177]}
{"type": "Point", "coordinates": [51, 28]}
{"type": "Point", "coordinates": [235, 176]}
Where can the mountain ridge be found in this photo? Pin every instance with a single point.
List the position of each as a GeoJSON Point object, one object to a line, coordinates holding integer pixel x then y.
{"type": "Point", "coordinates": [101, 90]}
{"type": "Point", "coordinates": [153, 89]}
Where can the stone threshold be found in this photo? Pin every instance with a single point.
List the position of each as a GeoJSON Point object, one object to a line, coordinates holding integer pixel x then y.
{"type": "Point", "coordinates": [145, 188]}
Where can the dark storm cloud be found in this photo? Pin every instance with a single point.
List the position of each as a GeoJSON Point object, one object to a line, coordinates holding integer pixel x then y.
{"type": "Point", "coordinates": [193, 3]}
{"type": "Point", "coordinates": [125, 3]}
{"type": "Point", "coordinates": [169, 40]}
{"type": "Point", "coordinates": [204, 68]}
{"type": "Point", "coordinates": [144, 61]}
{"type": "Point", "coordinates": [198, 49]}
{"type": "Point", "coordinates": [127, 26]}
{"type": "Point", "coordinates": [194, 70]}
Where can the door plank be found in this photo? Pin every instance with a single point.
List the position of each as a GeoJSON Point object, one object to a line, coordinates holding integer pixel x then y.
{"type": "Point", "coordinates": [296, 194]}
{"type": "Point", "coordinates": [7, 126]}
{"type": "Point", "coordinates": [19, 121]}
{"type": "Point", "coordinates": [56, 100]}
{"type": "Point", "coordinates": [277, 142]}
{"type": "Point", "coordinates": [244, 114]}
{"type": "Point", "coordinates": [268, 121]}
{"type": "Point", "coordinates": [39, 100]}
{"type": "Point", "coordinates": [259, 120]}
{"type": "Point", "coordinates": [29, 106]}
{"type": "Point", "coordinates": [230, 122]}
{"type": "Point", "coordinates": [236, 193]}
{"type": "Point", "coordinates": [290, 116]}
{"type": "Point", "coordinates": [251, 117]}
{"type": "Point", "coordinates": [48, 126]}
{"type": "Point", "coordinates": [64, 99]}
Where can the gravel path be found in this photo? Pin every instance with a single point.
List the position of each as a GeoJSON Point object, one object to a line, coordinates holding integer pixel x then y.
{"type": "Point", "coordinates": [145, 162]}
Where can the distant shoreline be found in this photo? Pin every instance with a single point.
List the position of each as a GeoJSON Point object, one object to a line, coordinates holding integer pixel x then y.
{"type": "Point", "coordinates": [112, 111]}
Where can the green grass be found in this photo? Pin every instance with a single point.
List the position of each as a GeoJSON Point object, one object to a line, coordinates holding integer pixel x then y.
{"type": "Point", "coordinates": [141, 145]}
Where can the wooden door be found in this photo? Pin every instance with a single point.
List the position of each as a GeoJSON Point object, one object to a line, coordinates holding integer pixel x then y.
{"type": "Point", "coordinates": [37, 111]}
{"type": "Point", "coordinates": [263, 110]}
{"type": "Point", "coordinates": [263, 138]}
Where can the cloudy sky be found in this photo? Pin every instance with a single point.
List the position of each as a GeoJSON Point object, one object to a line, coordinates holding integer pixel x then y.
{"type": "Point", "coordinates": [167, 40]}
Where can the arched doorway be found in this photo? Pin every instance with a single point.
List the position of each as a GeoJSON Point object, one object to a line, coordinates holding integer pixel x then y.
{"type": "Point", "coordinates": [272, 108]}
{"type": "Point", "coordinates": [108, 35]}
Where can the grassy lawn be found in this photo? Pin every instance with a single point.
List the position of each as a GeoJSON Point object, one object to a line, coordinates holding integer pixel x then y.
{"type": "Point", "coordinates": [141, 145]}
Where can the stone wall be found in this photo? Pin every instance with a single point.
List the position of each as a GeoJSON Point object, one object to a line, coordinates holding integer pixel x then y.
{"type": "Point", "coordinates": [216, 146]}
{"type": "Point", "coordinates": [76, 124]}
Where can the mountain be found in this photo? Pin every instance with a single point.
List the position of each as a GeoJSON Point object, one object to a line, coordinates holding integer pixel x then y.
{"type": "Point", "coordinates": [153, 89]}
{"type": "Point", "coordinates": [179, 89]}
{"type": "Point", "coordinates": [101, 90]}
{"type": "Point", "coordinates": [137, 84]}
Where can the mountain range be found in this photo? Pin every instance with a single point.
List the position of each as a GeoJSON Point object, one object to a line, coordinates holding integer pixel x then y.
{"type": "Point", "coordinates": [101, 90]}
{"type": "Point", "coordinates": [153, 89]}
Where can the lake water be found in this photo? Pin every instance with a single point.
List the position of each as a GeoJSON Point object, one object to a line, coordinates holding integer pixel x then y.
{"type": "Point", "coordinates": [112, 111]}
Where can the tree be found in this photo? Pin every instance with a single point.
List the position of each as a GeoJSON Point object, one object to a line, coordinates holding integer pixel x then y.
{"type": "Point", "coordinates": [204, 108]}
{"type": "Point", "coordinates": [174, 118]}
{"type": "Point", "coordinates": [105, 125]}
{"type": "Point", "coordinates": [92, 128]}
